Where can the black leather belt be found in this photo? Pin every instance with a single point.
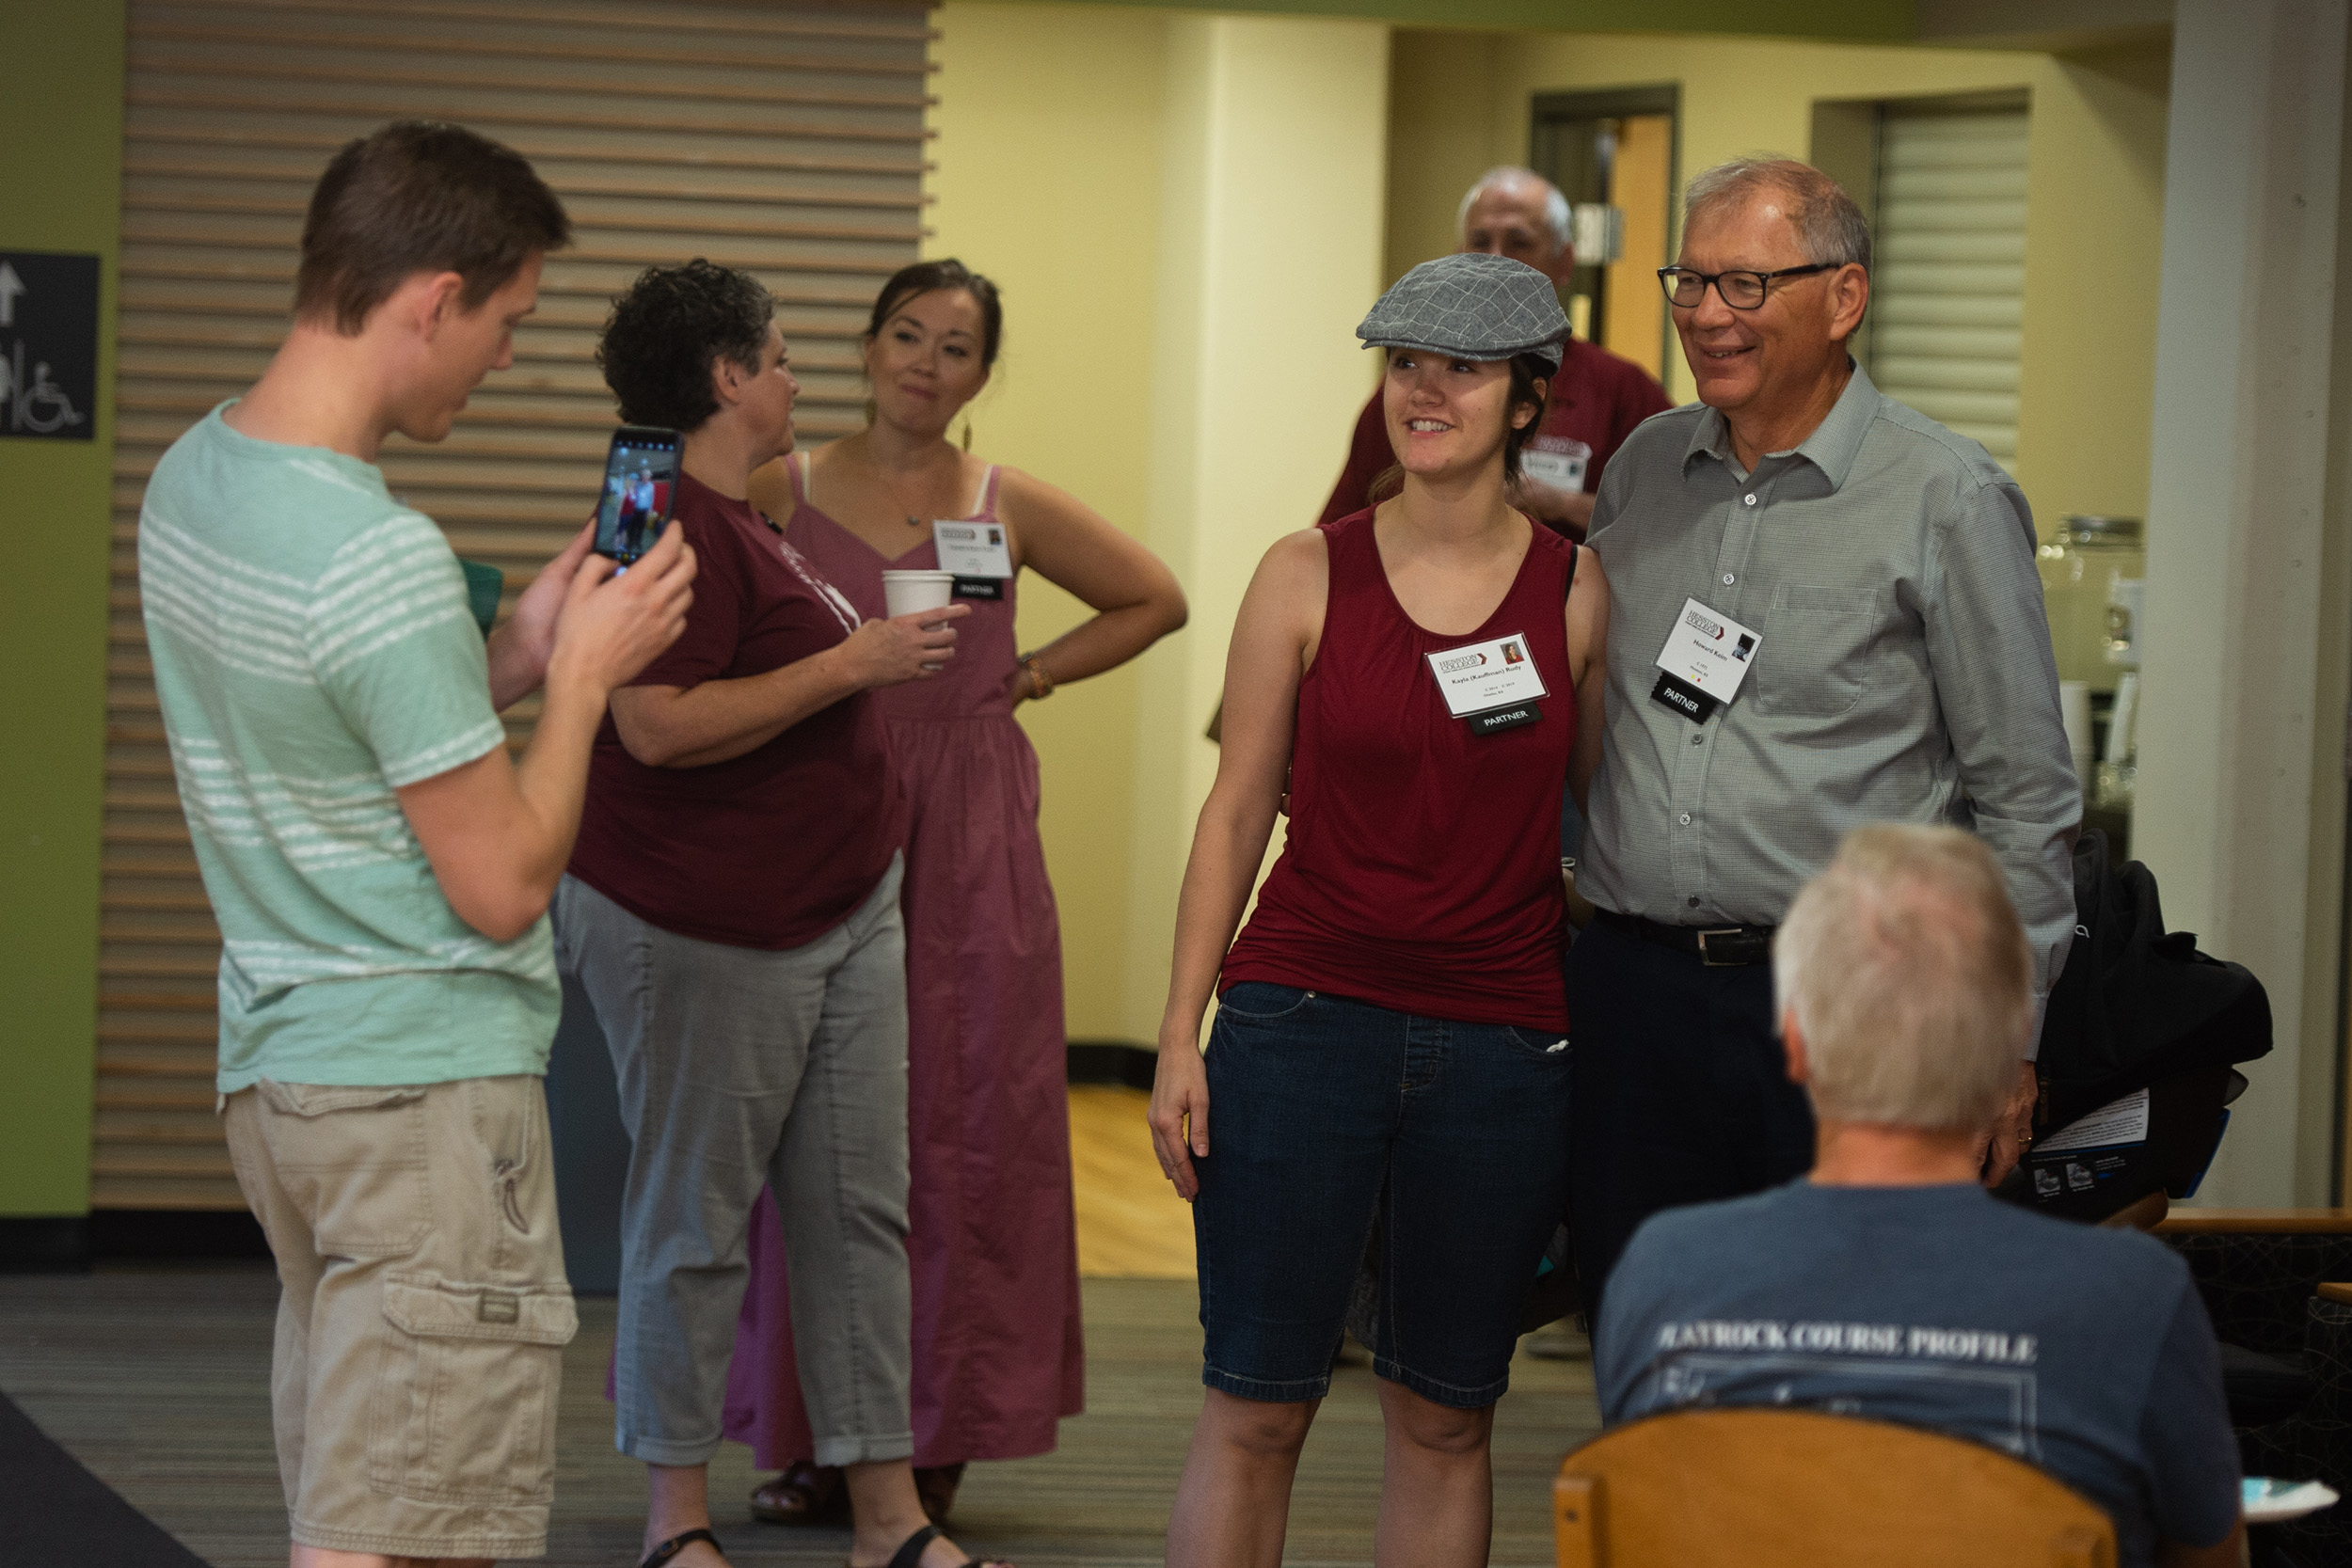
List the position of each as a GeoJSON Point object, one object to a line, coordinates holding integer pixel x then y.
{"type": "Point", "coordinates": [1716, 946]}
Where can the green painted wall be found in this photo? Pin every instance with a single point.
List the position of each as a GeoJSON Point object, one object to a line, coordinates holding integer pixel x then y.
{"type": "Point", "coordinates": [1878, 21]}
{"type": "Point", "coordinates": [60, 189]}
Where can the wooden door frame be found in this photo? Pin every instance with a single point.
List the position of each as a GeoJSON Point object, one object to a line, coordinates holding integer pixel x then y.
{"type": "Point", "coordinates": [1551, 113]}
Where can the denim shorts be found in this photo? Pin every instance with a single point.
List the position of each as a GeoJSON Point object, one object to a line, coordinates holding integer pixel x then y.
{"type": "Point", "coordinates": [1326, 1113]}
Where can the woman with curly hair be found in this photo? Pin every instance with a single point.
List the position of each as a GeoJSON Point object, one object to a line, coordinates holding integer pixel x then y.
{"type": "Point", "coordinates": [732, 912]}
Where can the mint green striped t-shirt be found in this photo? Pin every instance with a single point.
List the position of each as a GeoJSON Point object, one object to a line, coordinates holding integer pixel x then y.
{"type": "Point", "coordinates": [313, 652]}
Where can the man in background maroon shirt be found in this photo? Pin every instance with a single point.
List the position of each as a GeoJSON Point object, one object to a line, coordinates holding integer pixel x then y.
{"type": "Point", "coordinates": [1596, 398]}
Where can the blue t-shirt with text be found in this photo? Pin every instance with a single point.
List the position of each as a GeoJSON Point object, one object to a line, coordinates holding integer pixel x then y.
{"type": "Point", "coordinates": [2083, 1351]}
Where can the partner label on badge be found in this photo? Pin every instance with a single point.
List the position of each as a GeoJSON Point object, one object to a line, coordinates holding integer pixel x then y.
{"type": "Point", "coordinates": [1708, 652]}
{"type": "Point", "coordinates": [973, 550]}
{"type": "Point", "coordinates": [1484, 675]}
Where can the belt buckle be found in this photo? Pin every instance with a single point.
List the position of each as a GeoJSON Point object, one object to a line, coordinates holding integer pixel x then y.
{"type": "Point", "coordinates": [1708, 960]}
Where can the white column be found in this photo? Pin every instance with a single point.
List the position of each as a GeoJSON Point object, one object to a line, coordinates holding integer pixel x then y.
{"type": "Point", "coordinates": [1274, 182]}
{"type": "Point", "coordinates": [2231, 733]}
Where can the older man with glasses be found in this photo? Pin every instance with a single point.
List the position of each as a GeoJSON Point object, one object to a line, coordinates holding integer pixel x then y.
{"type": "Point", "coordinates": [1823, 611]}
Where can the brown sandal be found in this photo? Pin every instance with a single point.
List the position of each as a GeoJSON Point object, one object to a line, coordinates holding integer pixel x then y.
{"type": "Point", "coordinates": [805, 1494]}
{"type": "Point", "coordinates": [936, 1486]}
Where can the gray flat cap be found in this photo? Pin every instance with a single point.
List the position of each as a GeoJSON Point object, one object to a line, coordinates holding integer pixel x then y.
{"type": "Point", "coordinates": [1472, 307]}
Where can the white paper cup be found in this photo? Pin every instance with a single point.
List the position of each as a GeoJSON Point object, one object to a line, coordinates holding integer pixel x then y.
{"type": "Point", "coordinates": [904, 593]}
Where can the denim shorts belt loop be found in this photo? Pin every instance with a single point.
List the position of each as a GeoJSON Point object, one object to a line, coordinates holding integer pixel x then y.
{"type": "Point", "coordinates": [1339, 1125]}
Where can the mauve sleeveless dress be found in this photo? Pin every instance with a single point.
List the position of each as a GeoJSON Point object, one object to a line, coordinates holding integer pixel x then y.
{"type": "Point", "coordinates": [993, 1240]}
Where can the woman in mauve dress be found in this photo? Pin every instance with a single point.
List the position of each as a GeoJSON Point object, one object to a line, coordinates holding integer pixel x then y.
{"type": "Point", "coordinates": [998, 1358]}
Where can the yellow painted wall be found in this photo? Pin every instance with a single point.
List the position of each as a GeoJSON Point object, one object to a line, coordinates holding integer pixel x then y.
{"type": "Point", "coordinates": [1272, 228]}
{"type": "Point", "coordinates": [1186, 226]}
{"type": "Point", "coordinates": [60, 190]}
{"type": "Point", "coordinates": [1048, 181]}
{"type": "Point", "coordinates": [2094, 198]}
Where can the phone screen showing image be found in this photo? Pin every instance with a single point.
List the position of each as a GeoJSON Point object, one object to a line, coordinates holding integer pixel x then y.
{"type": "Point", "coordinates": [640, 487]}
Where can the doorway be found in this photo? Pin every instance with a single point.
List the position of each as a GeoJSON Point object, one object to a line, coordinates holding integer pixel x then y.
{"type": "Point", "coordinates": [1614, 154]}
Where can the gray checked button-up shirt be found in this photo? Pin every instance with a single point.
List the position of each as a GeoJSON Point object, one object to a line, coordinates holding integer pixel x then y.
{"type": "Point", "coordinates": [1904, 673]}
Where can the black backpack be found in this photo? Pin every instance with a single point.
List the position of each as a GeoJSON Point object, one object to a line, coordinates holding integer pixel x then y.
{"type": "Point", "coordinates": [2136, 1003]}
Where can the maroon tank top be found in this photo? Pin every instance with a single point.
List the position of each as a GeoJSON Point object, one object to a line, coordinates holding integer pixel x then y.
{"type": "Point", "coordinates": [1422, 871]}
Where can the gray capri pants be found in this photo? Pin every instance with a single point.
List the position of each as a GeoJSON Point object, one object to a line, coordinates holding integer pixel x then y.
{"type": "Point", "coordinates": [737, 1067]}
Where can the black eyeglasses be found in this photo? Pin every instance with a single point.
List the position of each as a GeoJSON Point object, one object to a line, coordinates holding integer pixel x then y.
{"type": "Point", "coordinates": [1741, 291]}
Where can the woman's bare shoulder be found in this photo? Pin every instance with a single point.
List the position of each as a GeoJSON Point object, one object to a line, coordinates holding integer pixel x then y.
{"type": "Point", "coordinates": [1305, 551]}
{"type": "Point", "coordinates": [1021, 497]}
{"type": "Point", "coordinates": [1288, 589]}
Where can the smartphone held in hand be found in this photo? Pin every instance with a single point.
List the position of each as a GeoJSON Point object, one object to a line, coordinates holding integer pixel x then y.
{"type": "Point", "coordinates": [640, 488]}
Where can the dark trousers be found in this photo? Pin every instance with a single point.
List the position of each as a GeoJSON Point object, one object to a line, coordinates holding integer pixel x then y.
{"type": "Point", "coordinates": [1680, 1092]}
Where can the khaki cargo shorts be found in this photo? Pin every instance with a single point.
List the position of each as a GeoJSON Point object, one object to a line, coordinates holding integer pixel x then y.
{"type": "Point", "coordinates": [424, 1312]}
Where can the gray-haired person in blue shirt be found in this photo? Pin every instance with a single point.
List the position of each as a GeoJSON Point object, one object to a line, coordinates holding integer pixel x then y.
{"type": "Point", "coordinates": [1889, 1285]}
{"type": "Point", "coordinates": [1880, 568]}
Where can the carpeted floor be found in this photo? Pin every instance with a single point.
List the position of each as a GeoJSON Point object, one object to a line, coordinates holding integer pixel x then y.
{"type": "Point", "coordinates": [158, 1381]}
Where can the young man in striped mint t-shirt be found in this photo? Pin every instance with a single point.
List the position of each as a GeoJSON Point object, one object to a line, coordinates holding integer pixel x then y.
{"type": "Point", "coordinates": [378, 868]}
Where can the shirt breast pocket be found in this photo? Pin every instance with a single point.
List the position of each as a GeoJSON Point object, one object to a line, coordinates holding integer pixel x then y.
{"type": "Point", "coordinates": [1816, 658]}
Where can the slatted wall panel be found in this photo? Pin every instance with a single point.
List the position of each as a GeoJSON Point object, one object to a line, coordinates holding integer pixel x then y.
{"type": "Point", "coordinates": [784, 138]}
{"type": "Point", "coordinates": [1948, 296]}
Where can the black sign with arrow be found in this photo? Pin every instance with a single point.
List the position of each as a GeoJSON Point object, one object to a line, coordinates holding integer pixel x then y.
{"type": "Point", "coordinates": [48, 345]}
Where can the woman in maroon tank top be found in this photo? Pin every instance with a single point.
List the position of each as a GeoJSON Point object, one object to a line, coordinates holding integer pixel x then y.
{"type": "Point", "coordinates": [1390, 1045]}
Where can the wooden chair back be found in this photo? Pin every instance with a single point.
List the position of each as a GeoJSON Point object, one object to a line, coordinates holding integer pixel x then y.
{"type": "Point", "coordinates": [1798, 1489]}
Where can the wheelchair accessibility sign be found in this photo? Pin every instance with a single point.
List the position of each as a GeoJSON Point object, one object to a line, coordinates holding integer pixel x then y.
{"type": "Point", "coordinates": [48, 345]}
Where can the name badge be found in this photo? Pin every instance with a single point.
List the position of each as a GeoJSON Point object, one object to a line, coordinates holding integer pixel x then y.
{"type": "Point", "coordinates": [1556, 460]}
{"type": "Point", "coordinates": [977, 554]}
{"type": "Point", "coordinates": [1490, 686]}
{"type": "Point", "coordinates": [1706, 657]}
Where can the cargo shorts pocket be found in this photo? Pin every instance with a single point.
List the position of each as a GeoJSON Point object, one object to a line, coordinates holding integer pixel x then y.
{"type": "Point", "coordinates": [353, 1160]}
{"type": "Point", "coordinates": [464, 1408]}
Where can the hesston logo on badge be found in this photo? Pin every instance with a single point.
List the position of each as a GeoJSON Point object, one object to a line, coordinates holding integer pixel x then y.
{"type": "Point", "coordinates": [1704, 627]}
{"type": "Point", "coordinates": [1463, 661]}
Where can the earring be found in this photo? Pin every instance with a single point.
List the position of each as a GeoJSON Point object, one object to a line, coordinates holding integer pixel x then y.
{"type": "Point", "coordinates": [967, 432]}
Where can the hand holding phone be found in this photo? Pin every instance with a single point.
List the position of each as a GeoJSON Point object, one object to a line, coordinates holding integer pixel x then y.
{"type": "Point", "coordinates": [640, 488]}
{"type": "Point", "coordinates": [613, 625]}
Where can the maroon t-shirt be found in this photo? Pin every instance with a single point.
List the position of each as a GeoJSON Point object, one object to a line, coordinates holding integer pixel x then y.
{"type": "Point", "coordinates": [777, 846]}
{"type": "Point", "coordinates": [1596, 401]}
